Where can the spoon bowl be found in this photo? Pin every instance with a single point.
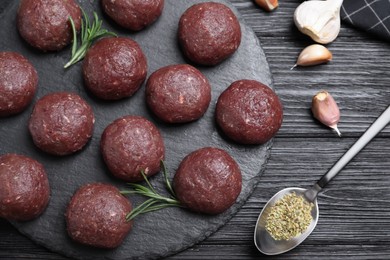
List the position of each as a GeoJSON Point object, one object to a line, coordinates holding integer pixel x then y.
{"type": "Point", "coordinates": [265, 243]}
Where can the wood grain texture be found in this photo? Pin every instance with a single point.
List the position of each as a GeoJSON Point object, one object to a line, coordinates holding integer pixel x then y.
{"type": "Point", "coordinates": [355, 208]}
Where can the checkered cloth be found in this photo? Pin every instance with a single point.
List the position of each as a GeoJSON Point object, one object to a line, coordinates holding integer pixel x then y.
{"type": "Point", "coordinates": [370, 15]}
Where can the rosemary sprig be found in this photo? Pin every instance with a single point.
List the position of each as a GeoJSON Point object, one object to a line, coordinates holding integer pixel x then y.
{"type": "Point", "coordinates": [89, 33]}
{"type": "Point", "coordinates": [155, 201]}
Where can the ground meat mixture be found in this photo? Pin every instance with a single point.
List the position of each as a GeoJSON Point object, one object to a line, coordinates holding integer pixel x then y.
{"type": "Point", "coordinates": [114, 68]}
{"type": "Point", "coordinates": [25, 191]}
{"type": "Point", "coordinates": [208, 181]}
{"type": "Point", "coordinates": [178, 93]}
{"type": "Point", "coordinates": [249, 112]}
{"type": "Point", "coordinates": [132, 144]}
{"type": "Point", "coordinates": [133, 14]}
{"type": "Point", "coordinates": [61, 123]}
{"type": "Point", "coordinates": [209, 33]}
{"type": "Point", "coordinates": [45, 25]}
{"type": "Point", "coordinates": [96, 216]}
{"type": "Point", "coordinates": [18, 83]}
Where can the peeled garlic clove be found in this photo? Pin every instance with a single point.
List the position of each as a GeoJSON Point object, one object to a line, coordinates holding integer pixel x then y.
{"type": "Point", "coordinates": [267, 5]}
{"type": "Point", "coordinates": [313, 55]}
{"type": "Point", "coordinates": [325, 110]}
{"type": "Point", "coordinates": [319, 19]}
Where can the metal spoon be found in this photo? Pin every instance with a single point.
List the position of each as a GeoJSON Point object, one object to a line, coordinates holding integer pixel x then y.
{"type": "Point", "coordinates": [263, 240]}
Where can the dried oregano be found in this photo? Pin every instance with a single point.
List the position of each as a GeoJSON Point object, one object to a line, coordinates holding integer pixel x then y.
{"type": "Point", "coordinates": [289, 217]}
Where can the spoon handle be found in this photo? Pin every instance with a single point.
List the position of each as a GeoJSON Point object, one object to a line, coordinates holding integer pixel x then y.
{"type": "Point", "coordinates": [370, 133]}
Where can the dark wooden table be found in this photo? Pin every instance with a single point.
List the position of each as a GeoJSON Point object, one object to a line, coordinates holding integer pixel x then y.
{"type": "Point", "coordinates": [355, 207]}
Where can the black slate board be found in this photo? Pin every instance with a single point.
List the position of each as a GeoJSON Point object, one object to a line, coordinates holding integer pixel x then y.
{"type": "Point", "coordinates": [159, 233]}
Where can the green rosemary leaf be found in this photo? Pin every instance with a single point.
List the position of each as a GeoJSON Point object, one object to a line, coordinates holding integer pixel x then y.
{"type": "Point", "coordinates": [84, 26]}
{"type": "Point", "coordinates": [74, 44]}
{"type": "Point", "coordinates": [147, 181]}
{"type": "Point", "coordinates": [97, 22]}
{"type": "Point", "coordinates": [104, 32]}
{"type": "Point", "coordinates": [140, 209]}
{"type": "Point", "coordinates": [148, 206]}
{"type": "Point", "coordinates": [144, 193]}
{"type": "Point", "coordinates": [139, 188]}
{"type": "Point", "coordinates": [158, 207]}
{"type": "Point", "coordinates": [125, 192]}
{"type": "Point", "coordinates": [167, 182]}
{"type": "Point", "coordinates": [160, 198]}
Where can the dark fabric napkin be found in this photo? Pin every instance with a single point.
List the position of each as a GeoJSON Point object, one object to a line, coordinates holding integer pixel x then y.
{"type": "Point", "coordinates": [369, 15]}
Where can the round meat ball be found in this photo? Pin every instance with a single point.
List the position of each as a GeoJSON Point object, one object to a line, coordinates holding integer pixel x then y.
{"type": "Point", "coordinates": [61, 123]}
{"type": "Point", "coordinates": [18, 83]}
{"type": "Point", "coordinates": [209, 33]}
{"type": "Point", "coordinates": [45, 24]}
{"type": "Point", "coordinates": [114, 68]}
{"type": "Point", "coordinates": [178, 93]}
{"type": "Point", "coordinates": [132, 144]}
{"type": "Point", "coordinates": [96, 216]}
{"type": "Point", "coordinates": [25, 190]}
{"type": "Point", "coordinates": [208, 181]}
{"type": "Point", "coordinates": [249, 112]}
{"type": "Point", "coordinates": [133, 14]}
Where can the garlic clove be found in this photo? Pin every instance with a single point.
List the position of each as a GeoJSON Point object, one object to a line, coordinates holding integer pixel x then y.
{"type": "Point", "coordinates": [319, 19]}
{"type": "Point", "coordinates": [325, 110]}
{"type": "Point", "coordinates": [313, 55]}
{"type": "Point", "coordinates": [267, 5]}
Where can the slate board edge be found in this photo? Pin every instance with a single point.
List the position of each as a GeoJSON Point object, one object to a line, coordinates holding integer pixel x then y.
{"type": "Point", "coordinates": [236, 206]}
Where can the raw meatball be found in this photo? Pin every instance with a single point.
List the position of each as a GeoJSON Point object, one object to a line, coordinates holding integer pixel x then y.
{"type": "Point", "coordinates": [178, 93]}
{"type": "Point", "coordinates": [96, 216]}
{"type": "Point", "coordinates": [208, 181]}
{"type": "Point", "coordinates": [114, 68]}
{"type": "Point", "coordinates": [45, 25]}
{"type": "Point", "coordinates": [249, 112]}
{"type": "Point", "coordinates": [132, 144]}
{"type": "Point", "coordinates": [61, 123]}
{"type": "Point", "coordinates": [18, 83]}
{"type": "Point", "coordinates": [133, 14]}
{"type": "Point", "coordinates": [25, 191]}
{"type": "Point", "coordinates": [209, 33]}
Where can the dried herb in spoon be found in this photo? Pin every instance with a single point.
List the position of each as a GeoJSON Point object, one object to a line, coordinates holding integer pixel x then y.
{"type": "Point", "coordinates": [156, 201]}
{"type": "Point", "coordinates": [289, 217]}
{"type": "Point", "coordinates": [89, 33]}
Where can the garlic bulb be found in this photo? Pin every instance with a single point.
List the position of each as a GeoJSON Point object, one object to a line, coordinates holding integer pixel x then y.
{"type": "Point", "coordinates": [319, 19]}
{"type": "Point", "coordinates": [313, 55]}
